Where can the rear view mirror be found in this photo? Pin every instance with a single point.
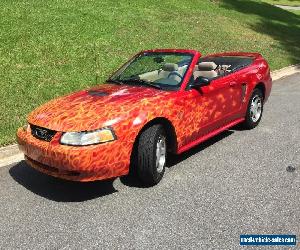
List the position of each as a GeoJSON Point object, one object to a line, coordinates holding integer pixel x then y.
{"type": "Point", "coordinates": [201, 81]}
{"type": "Point", "coordinates": [158, 59]}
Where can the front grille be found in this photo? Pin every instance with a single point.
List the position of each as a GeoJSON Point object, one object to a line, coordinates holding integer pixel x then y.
{"type": "Point", "coordinates": [42, 133]}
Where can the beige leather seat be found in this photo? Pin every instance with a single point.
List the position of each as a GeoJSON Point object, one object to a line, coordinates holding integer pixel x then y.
{"type": "Point", "coordinates": [170, 71]}
{"type": "Point", "coordinates": [206, 69]}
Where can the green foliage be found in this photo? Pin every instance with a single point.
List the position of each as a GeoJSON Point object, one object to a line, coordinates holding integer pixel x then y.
{"type": "Point", "coordinates": [49, 48]}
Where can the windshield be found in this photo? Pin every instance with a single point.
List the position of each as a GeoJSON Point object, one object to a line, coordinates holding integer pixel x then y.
{"type": "Point", "coordinates": [159, 70]}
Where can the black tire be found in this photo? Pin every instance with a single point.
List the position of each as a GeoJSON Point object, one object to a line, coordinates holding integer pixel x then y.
{"type": "Point", "coordinates": [147, 171]}
{"type": "Point", "coordinates": [251, 122]}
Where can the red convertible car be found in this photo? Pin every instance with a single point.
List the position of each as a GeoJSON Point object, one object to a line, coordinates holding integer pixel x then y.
{"type": "Point", "coordinates": [159, 102]}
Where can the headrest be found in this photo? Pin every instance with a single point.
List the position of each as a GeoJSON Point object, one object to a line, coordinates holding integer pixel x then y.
{"type": "Point", "coordinates": [207, 66]}
{"type": "Point", "coordinates": [170, 67]}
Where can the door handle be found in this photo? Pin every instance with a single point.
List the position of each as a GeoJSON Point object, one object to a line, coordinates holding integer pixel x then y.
{"type": "Point", "coordinates": [232, 84]}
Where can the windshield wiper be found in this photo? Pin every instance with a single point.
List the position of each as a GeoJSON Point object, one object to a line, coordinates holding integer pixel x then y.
{"type": "Point", "coordinates": [135, 80]}
{"type": "Point", "coordinates": [115, 81]}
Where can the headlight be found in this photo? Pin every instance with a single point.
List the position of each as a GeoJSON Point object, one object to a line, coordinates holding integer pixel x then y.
{"type": "Point", "coordinates": [87, 138]}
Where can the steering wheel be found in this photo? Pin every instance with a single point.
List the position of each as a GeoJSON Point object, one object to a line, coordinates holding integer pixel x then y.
{"type": "Point", "coordinates": [176, 74]}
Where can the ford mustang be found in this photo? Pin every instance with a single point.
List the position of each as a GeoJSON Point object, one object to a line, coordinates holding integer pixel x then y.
{"type": "Point", "coordinates": [161, 102]}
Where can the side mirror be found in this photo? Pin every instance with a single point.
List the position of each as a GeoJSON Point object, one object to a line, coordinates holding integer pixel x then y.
{"type": "Point", "coordinates": [201, 81]}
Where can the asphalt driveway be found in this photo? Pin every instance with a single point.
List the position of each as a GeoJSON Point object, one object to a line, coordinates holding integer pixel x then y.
{"type": "Point", "coordinates": [236, 183]}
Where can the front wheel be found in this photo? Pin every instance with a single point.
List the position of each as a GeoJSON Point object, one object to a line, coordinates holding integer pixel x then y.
{"type": "Point", "coordinates": [151, 155]}
{"type": "Point", "coordinates": [254, 109]}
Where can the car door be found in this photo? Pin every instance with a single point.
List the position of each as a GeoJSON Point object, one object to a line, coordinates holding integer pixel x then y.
{"type": "Point", "coordinates": [210, 107]}
{"type": "Point", "coordinates": [231, 90]}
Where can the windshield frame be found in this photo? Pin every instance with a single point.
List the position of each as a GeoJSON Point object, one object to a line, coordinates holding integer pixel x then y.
{"type": "Point", "coordinates": [194, 57]}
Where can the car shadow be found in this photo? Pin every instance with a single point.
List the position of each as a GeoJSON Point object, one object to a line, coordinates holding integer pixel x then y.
{"type": "Point", "coordinates": [173, 159]}
{"type": "Point", "coordinates": [68, 191]}
{"type": "Point", "coordinates": [57, 189]}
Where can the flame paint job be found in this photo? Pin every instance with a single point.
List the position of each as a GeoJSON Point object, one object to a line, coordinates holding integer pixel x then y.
{"type": "Point", "coordinates": [195, 115]}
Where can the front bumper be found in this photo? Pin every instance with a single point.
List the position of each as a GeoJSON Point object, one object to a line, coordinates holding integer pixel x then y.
{"type": "Point", "coordinates": [83, 163]}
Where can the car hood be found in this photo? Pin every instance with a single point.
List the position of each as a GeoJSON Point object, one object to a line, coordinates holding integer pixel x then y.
{"type": "Point", "coordinates": [94, 108]}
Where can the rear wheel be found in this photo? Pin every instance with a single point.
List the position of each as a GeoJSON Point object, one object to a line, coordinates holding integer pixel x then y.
{"type": "Point", "coordinates": [151, 155]}
{"type": "Point", "coordinates": [254, 110]}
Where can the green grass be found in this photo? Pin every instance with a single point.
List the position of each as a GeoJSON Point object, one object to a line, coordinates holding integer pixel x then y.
{"type": "Point", "coordinates": [297, 12]}
{"type": "Point", "coordinates": [49, 48]}
{"type": "Point", "coordinates": [284, 2]}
